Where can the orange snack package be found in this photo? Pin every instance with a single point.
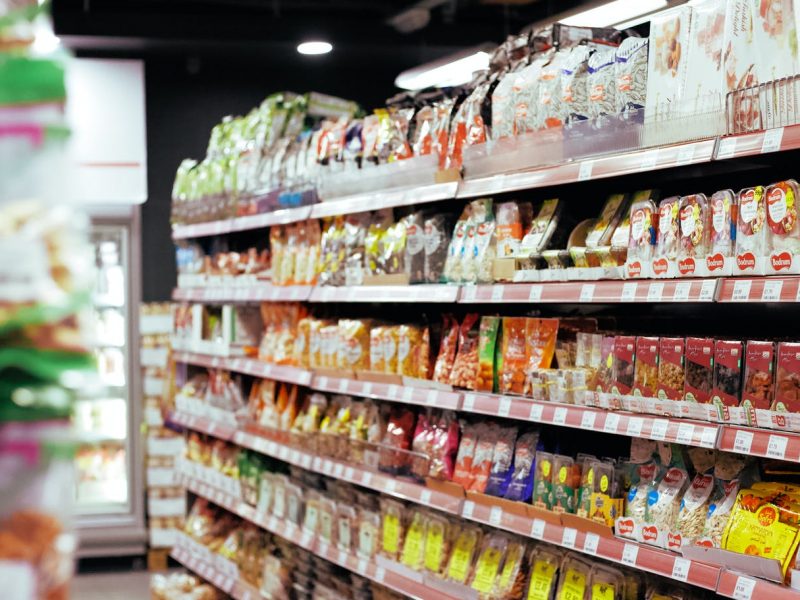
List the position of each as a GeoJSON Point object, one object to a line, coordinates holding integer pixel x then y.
{"type": "Point", "coordinates": [512, 376]}
{"type": "Point", "coordinates": [409, 342]}
{"type": "Point", "coordinates": [390, 339]}
{"type": "Point", "coordinates": [447, 350]}
{"type": "Point", "coordinates": [377, 363]}
{"type": "Point", "coordinates": [465, 367]}
{"type": "Point", "coordinates": [541, 337]}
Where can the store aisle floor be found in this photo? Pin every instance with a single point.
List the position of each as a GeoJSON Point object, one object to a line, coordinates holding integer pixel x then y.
{"type": "Point", "coordinates": [128, 585]}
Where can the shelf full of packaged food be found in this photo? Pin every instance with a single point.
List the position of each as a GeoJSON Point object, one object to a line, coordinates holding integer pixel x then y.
{"type": "Point", "coordinates": [760, 289]}
{"type": "Point", "coordinates": [388, 198]}
{"type": "Point", "coordinates": [309, 541]}
{"type": "Point", "coordinates": [590, 168]}
{"type": "Point", "coordinates": [632, 554]}
{"type": "Point", "coordinates": [386, 293]}
{"type": "Point", "coordinates": [244, 223]}
{"type": "Point", "coordinates": [603, 291]}
{"type": "Point", "coordinates": [248, 366]}
{"type": "Point", "coordinates": [408, 394]}
{"type": "Point", "coordinates": [778, 139]}
{"type": "Point", "coordinates": [186, 554]}
{"type": "Point", "coordinates": [742, 587]}
{"type": "Point", "coordinates": [259, 292]}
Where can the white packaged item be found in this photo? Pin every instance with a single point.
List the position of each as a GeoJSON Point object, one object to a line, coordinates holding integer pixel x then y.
{"type": "Point", "coordinates": [642, 239]}
{"type": "Point", "coordinates": [668, 63]}
{"type": "Point", "coordinates": [631, 74]}
{"type": "Point", "coordinates": [705, 80]}
{"type": "Point", "coordinates": [525, 94]}
{"type": "Point", "coordinates": [574, 84]}
{"type": "Point", "coordinates": [723, 233]}
{"type": "Point", "coordinates": [776, 38]}
{"type": "Point", "coordinates": [783, 228]}
{"type": "Point", "coordinates": [550, 109]}
{"type": "Point", "coordinates": [602, 83]}
{"type": "Point", "coordinates": [740, 59]}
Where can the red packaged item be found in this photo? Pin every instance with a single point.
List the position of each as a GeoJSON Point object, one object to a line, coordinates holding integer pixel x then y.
{"type": "Point", "coordinates": [447, 350]}
{"type": "Point", "coordinates": [622, 369]}
{"type": "Point", "coordinates": [784, 233]}
{"type": "Point", "coordinates": [695, 236]}
{"type": "Point", "coordinates": [699, 370]}
{"type": "Point", "coordinates": [462, 473]}
{"type": "Point", "coordinates": [398, 436]}
{"type": "Point", "coordinates": [787, 378]}
{"type": "Point", "coordinates": [465, 367]}
{"type": "Point", "coordinates": [645, 377]}
{"type": "Point", "coordinates": [727, 373]}
{"type": "Point", "coordinates": [759, 377]}
{"type": "Point", "coordinates": [671, 372]}
{"type": "Point", "coordinates": [482, 461]}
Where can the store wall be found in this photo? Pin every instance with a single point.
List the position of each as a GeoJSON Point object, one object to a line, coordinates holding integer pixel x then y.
{"type": "Point", "coordinates": [185, 98]}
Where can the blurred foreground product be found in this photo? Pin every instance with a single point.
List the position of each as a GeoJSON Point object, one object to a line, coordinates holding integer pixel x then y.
{"type": "Point", "coordinates": [180, 586]}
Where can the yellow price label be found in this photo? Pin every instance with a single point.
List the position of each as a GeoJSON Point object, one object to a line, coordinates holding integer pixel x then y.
{"type": "Point", "coordinates": [434, 547]}
{"type": "Point", "coordinates": [461, 559]}
{"type": "Point", "coordinates": [414, 548]}
{"type": "Point", "coordinates": [574, 587]}
{"type": "Point", "coordinates": [542, 580]}
{"type": "Point", "coordinates": [486, 570]}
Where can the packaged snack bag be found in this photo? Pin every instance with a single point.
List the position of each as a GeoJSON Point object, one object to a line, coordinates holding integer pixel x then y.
{"type": "Point", "coordinates": [509, 229]}
{"type": "Point", "coordinates": [542, 228]}
{"type": "Point", "coordinates": [699, 370]}
{"type": "Point", "coordinates": [436, 239]}
{"type": "Point", "coordinates": [354, 351]}
{"type": "Point", "coordinates": [623, 364]}
{"type": "Point", "coordinates": [784, 232]}
{"type": "Point", "coordinates": [724, 212]}
{"type": "Point", "coordinates": [487, 565]}
{"type": "Point", "coordinates": [645, 377]}
{"type": "Point", "coordinates": [438, 543]}
{"type": "Point", "coordinates": [597, 478]}
{"type": "Point", "coordinates": [413, 554]}
{"type": "Point", "coordinates": [520, 487]}
{"type": "Point", "coordinates": [607, 584]}
{"type": "Point", "coordinates": [631, 74]}
{"type": "Point", "coordinates": [602, 85]}
{"type": "Point", "coordinates": [695, 227]}
{"type": "Point", "coordinates": [727, 389]}
{"type": "Point", "coordinates": [541, 337]}
{"type": "Point", "coordinates": [377, 362]}
{"type": "Point", "coordinates": [512, 376]}
{"type": "Point", "coordinates": [694, 508]}
{"type": "Point", "coordinates": [603, 227]}
{"type": "Point", "coordinates": [787, 378]}
{"type": "Point", "coordinates": [642, 238]}
{"type": "Point", "coordinates": [465, 366]}
{"type": "Point", "coordinates": [502, 462]}
{"type": "Point", "coordinates": [566, 480]}
{"type": "Point", "coordinates": [486, 353]}
{"type": "Point", "coordinates": [398, 435]}
{"type": "Point", "coordinates": [642, 484]}
{"type": "Point", "coordinates": [470, 433]}
{"type": "Point", "coordinates": [663, 503]}
{"type": "Point", "coordinates": [605, 370]}
{"type": "Point", "coordinates": [345, 527]}
{"type": "Point", "coordinates": [543, 481]}
{"type": "Point", "coordinates": [574, 579]}
{"type": "Point", "coordinates": [574, 84]}
{"type": "Point", "coordinates": [720, 507]}
{"type": "Point", "coordinates": [409, 345]}
{"type": "Point", "coordinates": [544, 563]}
{"type": "Point", "coordinates": [414, 259]}
{"type": "Point", "coordinates": [391, 339]}
{"type": "Point", "coordinates": [393, 527]}
{"type": "Point", "coordinates": [751, 233]}
{"type": "Point", "coordinates": [759, 376]}
{"type": "Point", "coordinates": [465, 548]}
{"type": "Point", "coordinates": [453, 266]}
{"type": "Point", "coordinates": [370, 534]}
{"type": "Point", "coordinates": [478, 267]}
{"type": "Point", "coordinates": [671, 374]}
{"type": "Point", "coordinates": [482, 460]}
{"type": "Point", "coordinates": [668, 235]}
{"type": "Point", "coordinates": [550, 109]}
{"type": "Point", "coordinates": [447, 350]}
{"type": "Point", "coordinates": [510, 582]}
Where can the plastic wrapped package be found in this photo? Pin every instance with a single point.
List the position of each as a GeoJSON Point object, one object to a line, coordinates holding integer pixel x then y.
{"type": "Point", "coordinates": [542, 228]}
{"type": "Point", "coordinates": [544, 566]}
{"type": "Point", "coordinates": [447, 349]}
{"type": "Point", "coordinates": [631, 74]}
{"type": "Point", "coordinates": [695, 226]}
{"type": "Point", "coordinates": [470, 433]}
{"type": "Point", "coordinates": [663, 503]}
{"type": "Point", "coordinates": [391, 339]}
{"type": "Point", "coordinates": [724, 211]}
{"type": "Point", "coordinates": [439, 537]}
{"type": "Point", "coordinates": [181, 586]}
{"type": "Point", "coordinates": [641, 486]}
{"type": "Point", "coordinates": [465, 548]}
{"type": "Point", "coordinates": [566, 481]}
{"type": "Point", "coordinates": [540, 344]}
{"type": "Point", "coordinates": [720, 505]}
{"type": "Point", "coordinates": [465, 367]}
{"type": "Point", "coordinates": [436, 240]}
{"type": "Point", "coordinates": [607, 583]}
{"type": "Point", "coordinates": [345, 527]}
{"type": "Point", "coordinates": [514, 344]}
{"type": "Point", "coordinates": [393, 527]}
{"type": "Point", "coordinates": [597, 477]}
{"type": "Point", "coordinates": [377, 361]}
{"type": "Point", "coordinates": [509, 229]}
{"type": "Point", "coordinates": [453, 266]}
{"type": "Point", "coordinates": [759, 375]}
{"type": "Point", "coordinates": [354, 351]}
{"type": "Point", "coordinates": [467, 127]}
{"type": "Point", "coordinates": [483, 457]}
{"type": "Point", "coordinates": [478, 265]}
{"type": "Point", "coordinates": [520, 487]}
{"type": "Point", "coordinates": [413, 554]}
{"type": "Point", "coordinates": [294, 504]}
{"type": "Point", "coordinates": [727, 389]}
{"type": "Point", "coordinates": [643, 233]}
{"type": "Point", "coordinates": [751, 230]}
{"type": "Point", "coordinates": [550, 109]}
{"type": "Point", "coordinates": [623, 364]}
{"type": "Point", "coordinates": [369, 533]}
{"type": "Point", "coordinates": [525, 94]}
{"type": "Point", "coordinates": [671, 373]}
{"type": "Point", "coordinates": [669, 229]}
{"type": "Point", "coordinates": [543, 481]}
{"type": "Point", "coordinates": [575, 84]}
{"type": "Point", "coordinates": [645, 375]}
{"type": "Point", "coordinates": [784, 232]}
{"type": "Point", "coordinates": [354, 248]}
{"type": "Point", "coordinates": [393, 457]}
{"type": "Point", "coordinates": [410, 351]}
{"type": "Point", "coordinates": [311, 521]}
{"type": "Point", "coordinates": [485, 378]}
{"type": "Point", "coordinates": [602, 83]}
{"type": "Point", "coordinates": [694, 508]}
{"type": "Point", "coordinates": [603, 227]}
{"type": "Point", "coordinates": [488, 562]}
{"type": "Point", "coordinates": [502, 462]}
{"type": "Point", "coordinates": [699, 381]}
{"type": "Point", "coordinates": [414, 260]}
{"type": "Point", "coordinates": [510, 582]}
{"type": "Point", "coordinates": [574, 578]}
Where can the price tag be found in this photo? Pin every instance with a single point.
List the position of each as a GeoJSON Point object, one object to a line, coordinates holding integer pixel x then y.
{"type": "Point", "coordinates": [380, 574]}
{"type": "Point", "coordinates": [294, 456]}
{"type": "Point", "coordinates": [425, 497]}
{"type": "Point", "coordinates": [685, 433]}
{"type": "Point", "coordinates": [323, 547]}
{"type": "Point", "coordinates": [327, 467]}
{"type": "Point", "coordinates": [537, 529]}
{"type": "Point", "coordinates": [649, 160]}
{"type": "Point", "coordinates": [680, 569]}
{"type": "Point", "coordinates": [391, 486]}
{"type": "Point", "coordinates": [468, 293]}
{"type": "Point", "coordinates": [408, 394]}
{"type": "Point", "coordinates": [392, 391]}
{"type": "Point", "coordinates": [469, 507]}
{"type": "Point", "coordinates": [283, 453]}
{"type": "Point", "coordinates": [497, 293]}
{"type": "Point", "coordinates": [634, 428]}
{"type": "Point", "coordinates": [659, 429]}
{"type": "Point", "coordinates": [708, 437]}
{"type": "Point", "coordinates": [430, 399]}
{"type": "Point", "coordinates": [585, 170]}
{"type": "Point", "coordinates": [628, 291]}
{"type": "Point", "coordinates": [772, 290]}
{"type": "Point", "coordinates": [772, 140]}
{"type": "Point", "coordinates": [655, 292]}
{"type": "Point", "coordinates": [744, 588]}
{"type": "Point", "coordinates": [496, 516]}
{"type": "Point", "coordinates": [322, 382]}
{"type": "Point", "coordinates": [366, 479]}
{"type": "Point", "coordinates": [338, 470]}
{"type": "Point", "coordinates": [569, 536]}
{"type": "Point", "coordinates": [587, 292]}
{"type": "Point", "coordinates": [343, 386]}
{"type": "Point", "coordinates": [366, 389]}
{"type": "Point", "coordinates": [535, 293]}
{"type": "Point", "coordinates": [536, 412]}
{"type": "Point", "coordinates": [741, 290]}
{"type": "Point", "coordinates": [362, 566]}
{"type": "Point", "coordinates": [587, 419]}
{"type": "Point", "coordinates": [743, 441]}
{"type": "Point", "coordinates": [341, 557]}
{"type": "Point", "coordinates": [590, 543]}
{"type": "Point", "coordinates": [776, 446]}
{"type": "Point", "coordinates": [726, 148]}
{"type": "Point", "coordinates": [560, 416]}
{"type": "Point", "coordinates": [612, 422]}
{"type": "Point", "coordinates": [505, 406]}
{"type": "Point", "coordinates": [349, 474]}
{"type": "Point", "coordinates": [469, 402]}
{"type": "Point", "coordinates": [629, 554]}
{"type": "Point", "coordinates": [682, 289]}
{"type": "Point", "coordinates": [307, 461]}
{"type": "Point", "coordinates": [707, 290]}
{"type": "Point", "coordinates": [685, 154]}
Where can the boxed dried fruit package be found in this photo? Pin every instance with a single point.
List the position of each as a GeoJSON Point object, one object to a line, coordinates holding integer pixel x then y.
{"type": "Point", "coordinates": [671, 374]}
{"type": "Point", "coordinates": [759, 377]}
{"type": "Point", "coordinates": [727, 374]}
{"type": "Point", "coordinates": [787, 378]}
{"type": "Point", "coordinates": [699, 369]}
{"type": "Point", "coordinates": [623, 364]}
{"type": "Point", "coordinates": [645, 377]}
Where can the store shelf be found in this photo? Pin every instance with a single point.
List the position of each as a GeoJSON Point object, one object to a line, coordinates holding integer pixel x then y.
{"type": "Point", "coordinates": [248, 366]}
{"type": "Point", "coordinates": [760, 289]}
{"type": "Point", "coordinates": [278, 217]}
{"type": "Point", "coordinates": [388, 391]}
{"type": "Point", "coordinates": [690, 290]}
{"type": "Point", "coordinates": [386, 293]}
{"type": "Point", "coordinates": [758, 442]}
{"type": "Point", "coordinates": [384, 199]}
{"type": "Point", "coordinates": [232, 586]}
{"type": "Point", "coordinates": [760, 142]}
{"type": "Point", "coordinates": [581, 417]}
{"type": "Point", "coordinates": [589, 169]}
{"type": "Point", "coordinates": [742, 587]}
{"type": "Point", "coordinates": [261, 292]}
{"type": "Point", "coordinates": [632, 554]}
{"type": "Point", "coordinates": [204, 424]}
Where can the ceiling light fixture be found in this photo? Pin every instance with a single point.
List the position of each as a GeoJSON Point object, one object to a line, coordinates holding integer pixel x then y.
{"type": "Point", "coordinates": [314, 47]}
{"type": "Point", "coordinates": [450, 70]}
{"type": "Point", "coordinates": [614, 13]}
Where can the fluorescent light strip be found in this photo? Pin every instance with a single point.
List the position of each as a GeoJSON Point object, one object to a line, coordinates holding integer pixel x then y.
{"type": "Point", "coordinates": [454, 70]}
{"type": "Point", "coordinates": [616, 12]}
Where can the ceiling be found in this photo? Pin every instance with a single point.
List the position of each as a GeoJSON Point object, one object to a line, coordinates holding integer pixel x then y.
{"type": "Point", "coordinates": [270, 29]}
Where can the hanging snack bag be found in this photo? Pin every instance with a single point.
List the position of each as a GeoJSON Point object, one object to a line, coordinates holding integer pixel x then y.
{"type": "Point", "coordinates": [436, 238]}
{"type": "Point", "coordinates": [727, 389]}
{"type": "Point", "coordinates": [602, 85]}
{"type": "Point", "coordinates": [520, 487]}
{"type": "Point", "coordinates": [574, 579]}
{"type": "Point", "coordinates": [694, 508]}
{"type": "Point", "coordinates": [566, 481]}
{"type": "Point", "coordinates": [465, 366]}
{"type": "Point", "coordinates": [413, 554]}
{"type": "Point", "coordinates": [525, 94]}
{"type": "Point", "coordinates": [484, 454]}
{"type": "Point", "coordinates": [671, 373]}
{"type": "Point", "coordinates": [354, 340]}
{"type": "Point", "coordinates": [470, 434]}
{"type": "Point", "coordinates": [465, 548]}
{"type": "Point", "coordinates": [393, 457]}
{"type": "Point", "coordinates": [487, 565]}
{"type": "Point", "coordinates": [751, 231]}
{"type": "Point", "coordinates": [447, 349]}
{"type": "Point", "coordinates": [545, 562]}
{"type": "Point", "coordinates": [695, 240]}
{"type": "Point", "coordinates": [453, 266]}
{"type": "Point", "coordinates": [699, 370]}
{"type": "Point", "coordinates": [514, 344]}
{"type": "Point", "coordinates": [759, 377]}
{"type": "Point", "coordinates": [642, 484]}
{"type": "Point", "coordinates": [667, 238]}
{"type": "Point", "coordinates": [720, 506]}
{"type": "Point", "coordinates": [550, 109]}
{"type": "Point", "coordinates": [724, 211]}
{"type": "Point", "coordinates": [543, 481]}
{"type": "Point", "coordinates": [623, 364]}
{"type": "Point", "coordinates": [541, 335]}
{"type": "Point", "coordinates": [489, 327]}
{"type": "Point", "coordinates": [502, 462]}
{"type": "Point", "coordinates": [784, 230]}
{"type": "Point", "coordinates": [645, 377]}
{"type": "Point", "coordinates": [631, 74]}
{"type": "Point", "coordinates": [438, 543]}
{"type": "Point", "coordinates": [575, 84]}
{"type": "Point", "coordinates": [409, 345]}
{"type": "Point", "coordinates": [787, 378]}
{"type": "Point", "coordinates": [643, 238]}
{"type": "Point", "coordinates": [393, 528]}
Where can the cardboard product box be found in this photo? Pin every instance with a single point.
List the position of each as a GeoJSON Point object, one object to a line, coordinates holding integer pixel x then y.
{"type": "Point", "coordinates": [668, 63]}
{"type": "Point", "coordinates": [705, 81]}
{"type": "Point", "coordinates": [775, 35]}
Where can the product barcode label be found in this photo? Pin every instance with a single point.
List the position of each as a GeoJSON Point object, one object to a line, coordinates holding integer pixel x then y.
{"type": "Point", "coordinates": [744, 588]}
{"type": "Point", "coordinates": [585, 170]}
{"type": "Point", "coordinates": [741, 290]}
{"type": "Point", "coordinates": [772, 290]}
{"type": "Point", "coordinates": [537, 529]}
{"type": "Point", "coordinates": [469, 508]}
{"type": "Point", "coordinates": [496, 516]}
{"type": "Point", "coordinates": [590, 543]}
{"type": "Point", "coordinates": [505, 406]}
{"type": "Point", "coordinates": [535, 294]}
{"type": "Point", "coordinates": [587, 292]}
{"type": "Point", "coordinates": [685, 154]}
{"type": "Point", "coordinates": [629, 291]}
{"type": "Point", "coordinates": [629, 554]}
{"type": "Point", "coordinates": [560, 415]}
{"type": "Point", "coordinates": [587, 419]}
{"type": "Point", "coordinates": [469, 402]}
{"type": "Point", "coordinates": [707, 290]}
{"type": "Point", "coordinates": [680, 569]}
{"type": "Point", "coordinates": [685, 433]}
{"type": "Point", "coordinates": [497, 293]}
{"type": "Point", "coordinates": [634, 428]}
{"type": "Point", "coordinates": [776, 446]}
{"type": "Point", "coordinates": [743, 441]}
{"type": "Point", "coordinates": [612, 422]}
{"type": "Point", "coordinates": [568, 537]}
{"type": "Point", "coordinates": [772, 140]}
{"type": "Point", "coordinates": [708, 437]}
{"type": "Point", "coordinates": [536, 412]}
{"type": "Point", "coordinates": [682, 289]}
{"type": "Point", "coordinates": [655, 292]}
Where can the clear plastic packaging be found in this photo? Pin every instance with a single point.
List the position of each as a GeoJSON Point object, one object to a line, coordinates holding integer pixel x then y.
{"type": "Point", "coordinates": [543, 481]}
{"type": "Point", "coordinates": [668, 238]}
{"type": "Point", "coordinates": [751, 225]}
{"type": "Point", "coordinates": [784, 232]}
{"type": "Point", "coordinates": [413, 554]}
{"type": "Point", "coordinates": [663, 503]}
{"type": "Point", "coordinates": [607, 583]}
{"type": "Point", "coordinates": [699, 381]}
{"type": "Point", "coordinates": [622, 375]}
{"type": "Point", "coordinates": [574, 578]}
{"type": "Point", "coordinates": [543, 226]}
{"type": "Point", "coordinates": [487, 564]}
{"type": "Point", "coordinates": [645, 377]}
{"type": "Point", "coordinates": [392, 528]}
{"type": "Point", "coordinates": [724, 210]}
{"type": "Point", "coordinates": [566, 481]}
{"type": "Point", "coordinates": [437, 239]}
{"type": "Point", "coordinates": [694, 507]}
{"type": "Point", "coordinates": [602, 85]}
{"type": "Point", "coordinates": [510, 582]}
{"type": "Point", "coordinates": [369, 533]}
{"type": "Point", "coordinates": [465, 547]}
{"type": "Point", "coordinates": [643, 231]}
{"type": "Point", "coordinates": [327, 520]}
{"type": "Point", "coordinates": [604, 226]}
{"type": "Point", "coordinates": [597, 477]}
{"type": "Point", "coordinates": [345, 527]}
{"type": "Point", "coordinates": [671, 372]}
{"type": "Point", "coordinates": [695, 219]}
{"type": "Point", "coordinates": [438, 543]}
{"type": "Point", "coordinates": [520, 487]}
{"type": "Point", "coordinates": [544, 565]}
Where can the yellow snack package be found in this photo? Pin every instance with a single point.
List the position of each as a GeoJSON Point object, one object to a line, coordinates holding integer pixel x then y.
{"type": "Point", "coordinates": [487, 566]}
{"type": "Point", "coordinates": [413, 555]}
{"type": "Point", "coordinates": [574, 579]}
{"type": "Point", "coordinates": [544, 573]}
{"type": "Point", "coordinates": [464, 549]}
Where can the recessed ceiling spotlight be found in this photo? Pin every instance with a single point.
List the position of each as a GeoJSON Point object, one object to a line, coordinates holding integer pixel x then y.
{"type": "Point", "coordinates": [314, 47]}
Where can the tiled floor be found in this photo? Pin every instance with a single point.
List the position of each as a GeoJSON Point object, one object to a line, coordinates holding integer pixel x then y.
{"type": "Point", "coordinates": [129, 585]}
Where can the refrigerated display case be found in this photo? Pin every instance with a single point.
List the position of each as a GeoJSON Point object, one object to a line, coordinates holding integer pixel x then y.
{"type": "Point", "coordinates": [109, 481]}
